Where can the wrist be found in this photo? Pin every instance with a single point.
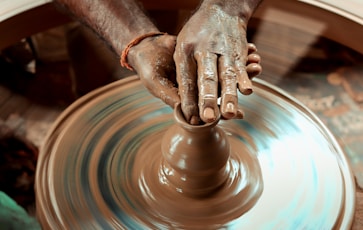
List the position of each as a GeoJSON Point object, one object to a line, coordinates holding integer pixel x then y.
{"type": "Point", "coordinates": [243, 9]}
{"type": "Point", "coordinates": [130, 51]}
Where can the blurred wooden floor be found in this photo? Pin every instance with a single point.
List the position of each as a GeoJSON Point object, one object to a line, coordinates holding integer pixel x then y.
{"type": "Point", "coordinates": [30, 118]}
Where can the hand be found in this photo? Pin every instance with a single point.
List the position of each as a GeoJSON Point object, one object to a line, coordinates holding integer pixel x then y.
{"type": "Point", "coordinates": [211, 52]}
{"type": "Point", "coordinates": [152, 59]}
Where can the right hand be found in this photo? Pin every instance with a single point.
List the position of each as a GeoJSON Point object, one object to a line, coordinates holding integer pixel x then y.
{"type": "Point", "coordinates": [213, 59]}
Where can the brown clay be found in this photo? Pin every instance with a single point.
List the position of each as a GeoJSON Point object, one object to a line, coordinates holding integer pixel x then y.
{"type": "Point", "coordinates": [102, 168]}
{"type": "Point", "coordinates": [195, 157]}
{"type": "Point", "coordinates": [202, 179]}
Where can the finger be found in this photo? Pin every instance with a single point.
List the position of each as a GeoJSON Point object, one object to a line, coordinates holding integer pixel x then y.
{"type": "Point", "coordinates": [186, 72]}
{"type": "Point", "coordinates": [251, 48]}
{"type": "Point", "coordinates": [253, 70]}
{"type": "Point", "coordinates": [167, 93]}
{"type": "Point", "coordinates": [253, 58]}
{"type": "Point", "coordinates": [227, 78]}
{"type": "Point", "coordinates": [162, 88]}
{"type": "Point", "coordinates": [239, 115]}
{"type": "Point", "coordinates": [208, 86]}
{"type": "Point", "coordinates": [244, 82]}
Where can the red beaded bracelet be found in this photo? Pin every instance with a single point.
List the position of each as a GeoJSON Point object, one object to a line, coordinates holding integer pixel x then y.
{"type": "Point", "coordinates": [134, 42]}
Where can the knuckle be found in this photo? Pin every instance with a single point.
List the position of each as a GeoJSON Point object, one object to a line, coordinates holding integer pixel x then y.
{"type": "Point", "coordinates": [228, 72]}
{"type": "Point", "coordinates": [209, 78]}
{"type": "Point", "coordinates": [186, 47]}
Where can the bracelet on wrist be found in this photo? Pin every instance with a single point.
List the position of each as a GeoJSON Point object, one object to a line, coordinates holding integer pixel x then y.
{"type": "Point", "coordinates": [134, 42]}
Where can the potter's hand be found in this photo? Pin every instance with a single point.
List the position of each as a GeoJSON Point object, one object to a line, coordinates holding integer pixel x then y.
{"type": "Point", "coordinates": [211, 52]}
{"type": "Point", "coordinates": [152, 59]}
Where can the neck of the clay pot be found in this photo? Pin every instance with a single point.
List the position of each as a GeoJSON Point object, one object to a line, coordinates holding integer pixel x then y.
{"type": "Point", "coordinates": [179, 118]}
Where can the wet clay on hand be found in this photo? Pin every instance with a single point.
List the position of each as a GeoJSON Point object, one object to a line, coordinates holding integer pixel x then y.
{"type": "Point", "coordinates": [212, 52]}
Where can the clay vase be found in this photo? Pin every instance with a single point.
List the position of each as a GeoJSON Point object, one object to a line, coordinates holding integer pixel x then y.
{"type": "Point", "coordinates": [195, 157]}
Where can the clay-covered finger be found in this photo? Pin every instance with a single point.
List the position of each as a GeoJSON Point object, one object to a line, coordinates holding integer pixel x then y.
{"type": "Point", "coordinates": [186, 70]}
{"type": "Point", "coordinates": [239, 115]}
{"type": "Point", "coordinates": [159, 84]}
{"type": "Point", "coordinates": [227, 79]}
{"type": "Point", "coordinates": [243, 81]}
{"type": "Point", "coordinates": [208, 86]}
{"type": "Point", "coordinates": [253, 70]}
{"type": "Point", "coordinates": [253, 58]}
{"type": "Point", "coordinates": [244, 84]}
{"type": "Point", "coordinates": [251, 48]}
{"type": "Point", "coordinates": [167, 92]}
{"type": "Point", "coordinates": [253, 67]}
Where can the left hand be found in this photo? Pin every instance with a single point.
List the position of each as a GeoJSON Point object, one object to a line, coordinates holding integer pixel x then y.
{"type": "Point", "coordinates": [211, 52]}
{"type": "Point", "coordinates": [152, 59]}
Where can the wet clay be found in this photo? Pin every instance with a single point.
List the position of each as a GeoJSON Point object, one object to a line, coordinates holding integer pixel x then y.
{"type": "Point", "coordinates": [202, 179]}
{"type": "Point", "coordinates": [149, 169]}
{"type": "Point", "coordinates": [195, 157]}
{"type": "Point", "coordinates": [102, 167]}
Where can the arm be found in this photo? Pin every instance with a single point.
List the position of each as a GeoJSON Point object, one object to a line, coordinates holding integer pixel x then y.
{"type": "Point", "coordinates": [119, 22]}
{"type": "Point", "coordinates": [116, 21]}
{"type": "Point", "coordinates": [212, 51]}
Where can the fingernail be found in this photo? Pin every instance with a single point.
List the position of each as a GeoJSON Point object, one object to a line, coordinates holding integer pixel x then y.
{"type": "Point", "coordinates": [246, 88]}
{"type": "Point", "coordinates": [230, 107]}
{"type": "Point", "coordinates": [209, 114]}
{"type": "Point", "coordinates": [229, 111]}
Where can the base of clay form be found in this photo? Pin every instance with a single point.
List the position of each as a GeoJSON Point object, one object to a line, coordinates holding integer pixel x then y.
{"type": "Point", "coordinates": [102, 168]}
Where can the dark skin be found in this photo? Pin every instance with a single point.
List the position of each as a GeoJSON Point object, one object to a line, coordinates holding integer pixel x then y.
{"type": "Point", "coordinates": [210, 53]}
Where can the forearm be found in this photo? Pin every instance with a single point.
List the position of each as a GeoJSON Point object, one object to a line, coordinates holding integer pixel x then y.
{"type": "Point", "coordinates": [240, 8]}
{"type": "Point", "coordinates": [116, 21]}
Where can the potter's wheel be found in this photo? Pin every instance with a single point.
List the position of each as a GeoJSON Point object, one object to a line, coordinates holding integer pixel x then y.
{"type": "Point", "coordinates": [85, 169]}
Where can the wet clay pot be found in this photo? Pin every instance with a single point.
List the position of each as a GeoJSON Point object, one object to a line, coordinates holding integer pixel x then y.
{"type": "Point", "coordinates": [195, 157]}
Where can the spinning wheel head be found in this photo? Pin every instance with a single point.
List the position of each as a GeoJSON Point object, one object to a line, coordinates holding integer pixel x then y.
{"type": "Point", "coordinates": [99, 167]}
